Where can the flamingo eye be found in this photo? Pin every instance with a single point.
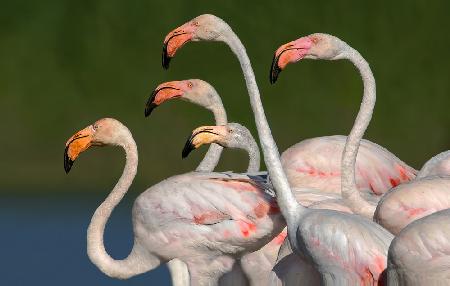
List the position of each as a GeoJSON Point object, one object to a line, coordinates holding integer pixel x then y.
{"type": "Point", "coordinates": [95, 127]}
{"type": "Point", "coordinates": [190, 85]}
{"type": "Point", "coordinates": [196, 23]}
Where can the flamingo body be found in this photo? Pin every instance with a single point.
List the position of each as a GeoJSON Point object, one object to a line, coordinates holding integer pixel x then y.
{"type": "Point", "coordinates": [420, 254]}
{"type": "Point", "coordinates": [206, 218]}
{"type": "Point", "coordinates": [439, 165]}
{"type": "Point", "coordinates": [316, 163]}
{"type": "Point", "coordinates": [414, 200]}
{"type": "Point", "coordinates": [333, 241]}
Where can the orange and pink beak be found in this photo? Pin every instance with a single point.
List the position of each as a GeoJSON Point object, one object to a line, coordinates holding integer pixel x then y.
{"type": "Point", "coordinates": [289, 53]}
{"type": "Point", "coordinates": [77, 144]}
{"type": "Point", "coordinates": [164, 92]}
{"type": "Point", "coordinates": [175, 40]}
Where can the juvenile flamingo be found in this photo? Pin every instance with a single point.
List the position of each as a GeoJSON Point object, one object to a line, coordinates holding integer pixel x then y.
{"type": "Point", "coordinates": [208, 220]}
{"type": "Point", "coordinates": [333, 241]}
{"type": "Point", "coordinates": [406, 202]}
{"type": "Point", "coordinates": [420, 253]}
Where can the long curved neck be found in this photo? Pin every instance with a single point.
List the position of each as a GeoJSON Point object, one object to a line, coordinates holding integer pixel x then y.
{"type": "Point", "coordinates": [253, 153]}
{"type": "Point", "coordinates": [349, 190]}
{"type": "Point", "coordinates": [139, 260]}
{"type": "Point", "coordinates": [286, 200]}
{"type": "Point", "coordinates": [211, 159]}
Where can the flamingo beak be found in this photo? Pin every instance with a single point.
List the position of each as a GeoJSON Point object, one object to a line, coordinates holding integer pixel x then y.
{"type": "Point", "coordinates": [288, 53]}
{"type": "Point", "coordinates": [77, 144]}
{"type": "Point", "coordinates": [203, 135]}
{"type": "Point", "coordinates": [163, 92]}
{"type": "Point", "coordinates": [175, 40]}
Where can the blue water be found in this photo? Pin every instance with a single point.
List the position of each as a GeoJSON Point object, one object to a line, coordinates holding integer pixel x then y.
{"type": "Point", "coordinates": [43, 242]}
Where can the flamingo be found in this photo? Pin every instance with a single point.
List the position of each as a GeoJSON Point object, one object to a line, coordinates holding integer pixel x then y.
{"type": "Point", "coordinates": [344, 248]}
{"type": "Point", "coordinates": [402, 204]}
{"type": "Point", "coordinates": [438, 165]}
{"type": "Point", "coordinates": [420, 253]}
{"type": "Point", "coordinates": [289, 268]}
{"type": "Point", "coordinates": [189, 90]}
{"type": "Point", "coordinates": [208, 220]}
{"type": "Point", "coordinates": [378, 169]}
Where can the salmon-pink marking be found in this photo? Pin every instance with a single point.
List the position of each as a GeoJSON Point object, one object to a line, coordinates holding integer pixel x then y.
{"type": "Point", "coordinates": [246, 228]}
{"type": "Point", "coordinates": [394, 182]}
{"type": "Point", "coordinates": [313, 172]}
{"type": "Point", "coordinates": [412, 212]}
{"type": "Point", "coordinates": [261, 209]}
{"type": "Point", "coordinates": [279, 239]}
{"type": "Point", "coordinates": [380, 262]}
{"type": "Point", "coordinates": [238, 185]}
{"type": "Point", "coordinates": [403, 173]}
{"type": "Point", "coordinates": [209, 217]}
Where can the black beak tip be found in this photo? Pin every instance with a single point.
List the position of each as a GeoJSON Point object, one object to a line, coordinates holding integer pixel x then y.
{"type": "Point", "coordinates": [187, 150]}
{"type": "Point", "coordinates": [188, 147]}
{"type": "Point", "coordinates": [274, 70]}
{"type": "Point", "coordinates": [149, 108]}
{"type": "Point", "coordinates": [165, 57]}
{"type": "Point", "coordinates": [67, 163]}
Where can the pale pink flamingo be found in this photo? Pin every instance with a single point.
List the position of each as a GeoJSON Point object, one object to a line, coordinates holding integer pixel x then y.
{"type": "Point", "coordinates": [420, 253]}
{"type": "Point", "coordinates": [346, 249]}
{"type": "Point", "coordinates": [208, 220]}
{"type": "Point", "coordinates": [377, 169]}
{"type": "Point", "coordinates": [406, 202]}
{"type": "Point", "coordinates": [201, 93]}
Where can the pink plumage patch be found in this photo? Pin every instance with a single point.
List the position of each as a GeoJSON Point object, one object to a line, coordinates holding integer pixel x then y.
{"type": "Point", "coordinates": [210, 217]}
{"type": "Point", "coordinates": [279, 239]}
{"type": "Point", "coordinates": [261, 210]}
{"type": "Point", "coordinates": [246, 228]}
{"type": "Point", "coordinates": [412, 212]}
{"type": "Point", "coordinates": [238, 185]}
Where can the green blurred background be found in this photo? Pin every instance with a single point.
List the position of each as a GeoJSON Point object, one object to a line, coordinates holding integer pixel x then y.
{"type": "Point", "coordinates": [65, 64]}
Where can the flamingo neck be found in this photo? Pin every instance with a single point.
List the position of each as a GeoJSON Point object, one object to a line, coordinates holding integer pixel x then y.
{"type": "Point", "coordinates": [139, 260]}
{"type": "Point", "coordinates": [252, 149]}
{"type": "Point", "coordinates": [211, 159]}
{"type": "Point", "coordinates": [286, 200]}
{"type": "Point", "coordinates": [350, 191]}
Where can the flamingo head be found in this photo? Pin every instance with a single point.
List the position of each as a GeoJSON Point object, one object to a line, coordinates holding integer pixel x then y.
{"type": "Point", "coordinates": [232, 135]}
{"type": "Point", "coordinates": [193, 90]}
{"type": "Point", "coordinates": [205, 27]}
{"type": "Point", "coordinates": [315, 46]}
{"type": "Point", "coordinates": [106, 131]}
